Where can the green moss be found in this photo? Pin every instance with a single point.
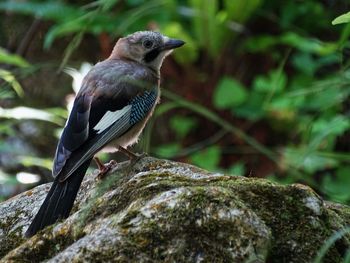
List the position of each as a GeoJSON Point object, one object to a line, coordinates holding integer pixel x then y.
{"type": "Point", "coordinates": [12, 238]}
{"type": "Point", "coordinates": [282, 208]}
{"type": "Point", "coordinates": [154, 238]}
{"type": "Point", "coordinates": [168, 215]}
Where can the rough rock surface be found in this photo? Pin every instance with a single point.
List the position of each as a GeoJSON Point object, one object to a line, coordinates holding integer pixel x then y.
{"type": "Point", "coordinates": [163, 211]}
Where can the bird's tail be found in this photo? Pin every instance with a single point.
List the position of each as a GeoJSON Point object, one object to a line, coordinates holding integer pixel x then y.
{"type": "Point", "coordinates": [59, 201]}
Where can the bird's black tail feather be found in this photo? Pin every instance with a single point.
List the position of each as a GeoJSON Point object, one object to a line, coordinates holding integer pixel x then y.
{"type": "Point", "coordinates": [59, 201]}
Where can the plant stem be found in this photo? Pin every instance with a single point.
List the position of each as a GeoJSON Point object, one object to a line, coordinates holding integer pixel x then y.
{"type": "Point", "coordinates": [221, 122]}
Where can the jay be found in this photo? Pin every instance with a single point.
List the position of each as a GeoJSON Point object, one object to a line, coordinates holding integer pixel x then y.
{"type": "Point", "coordinates": [113, 105]}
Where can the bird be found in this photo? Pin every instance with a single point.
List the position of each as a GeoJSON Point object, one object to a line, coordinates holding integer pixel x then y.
{"type": "Point", "coordinates": [116, 99]}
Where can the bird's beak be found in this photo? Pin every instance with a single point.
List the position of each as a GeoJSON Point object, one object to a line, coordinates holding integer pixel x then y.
{"type": "Point", "coordinates": [172, 43]}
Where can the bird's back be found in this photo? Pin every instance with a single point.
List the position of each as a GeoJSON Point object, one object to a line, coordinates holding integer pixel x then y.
{"type": "Point", "coordinates": [111, 75]}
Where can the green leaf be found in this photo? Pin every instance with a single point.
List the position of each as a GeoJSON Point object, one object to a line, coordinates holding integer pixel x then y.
{"type": "Point", "coordinates": [305, 63]}
{"type": "Point", "coordinates": [182, 125]}
{"type": "Point", "coordinates": [207, 27]}
{"type": "Point", "coordinates": [310, 161]}
{"type": "Point", "coordinates": [24, 113]}
{"type": "Point", "coordinates": [344, 18]}
{"type": "Point", "coordinates": [324, 131]}
{"type": "Point", "coordinates": [10, 79]}
{"type": "Point", "coordinates": [336, 125]}
{"type": "Point", "coordinates": [252, 109]}
{"type": "Point", "coordinates": [7, 179]}
{"type": "Point", "coordinates": [301, 43]}
{"type": "Point", "coordinates": [229, 93]}
{"type": "Point", "coordinates": [237, 169]}
{"type": "Point", "coordinates": [338, 188]}
{"type": "Point", "coordinates": [260, 43]}
{"type": "Point", "coordinates": [325, 98]}
{"type": "Point", "coordinates": [54, 10]}
{"type": "Point", "coordinates": [216, 23]}
{"type": "Point", "coordinates": [189, 52]}
{"type": "Point", "coordinates": [285, 103]}
{"type": "Point", "coordinates": [240, 11]}
{"type": "Point", "coordinates": [168, 150]}
{"type": "Point", "coordinates": [29, 161]}
{"type": "Point", "coordinates": [12, 59]}
{"type": "Point", "coordinates": [275, 81]}
{"type": "Point", "coordinates": [61, 30]}
{"type": "Point", "coordinates": [208, 159]}
{"type": "Point", "coordinates": [107, 4]}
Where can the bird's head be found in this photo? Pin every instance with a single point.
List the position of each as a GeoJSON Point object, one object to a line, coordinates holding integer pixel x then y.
{"type": "Point", "coordinates": [146, 47]}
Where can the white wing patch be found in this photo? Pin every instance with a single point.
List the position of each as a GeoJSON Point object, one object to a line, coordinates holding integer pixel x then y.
{"type": "Point", "coordinates": [109, 118]}
{"type": "Point", "coordinates": [118, 128]}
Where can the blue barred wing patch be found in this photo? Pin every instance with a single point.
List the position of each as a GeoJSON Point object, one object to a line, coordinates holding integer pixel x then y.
{"type": "Point", "coordinates": [141, 105]}
{"type": "Point", "coordinates": [140, 108]}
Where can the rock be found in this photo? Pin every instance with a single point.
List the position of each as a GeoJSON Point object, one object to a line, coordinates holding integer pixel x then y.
{"type": "Point", "coordinates": [163, 211]}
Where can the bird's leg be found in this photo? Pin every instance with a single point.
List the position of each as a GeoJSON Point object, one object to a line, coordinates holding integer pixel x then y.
{"type": "Point", "coordinates": [132, 156]}
{"type": "Point", "coordinates": [128, 153]}
{"type": "Point", "coordinates": [103, 168]}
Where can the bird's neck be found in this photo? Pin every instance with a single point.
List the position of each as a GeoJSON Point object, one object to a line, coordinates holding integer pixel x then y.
{"type": "Point", "coordinates": [155, 72]}
{"type": "Point", "coordinates": [115, 53]}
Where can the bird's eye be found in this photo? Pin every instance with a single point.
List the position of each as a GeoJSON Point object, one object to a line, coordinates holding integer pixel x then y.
{"type": "Point", "coordinates": [147, 44]}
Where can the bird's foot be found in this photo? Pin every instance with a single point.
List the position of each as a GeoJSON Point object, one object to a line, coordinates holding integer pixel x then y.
{"type": "Point", "coordinates": [104, 168]}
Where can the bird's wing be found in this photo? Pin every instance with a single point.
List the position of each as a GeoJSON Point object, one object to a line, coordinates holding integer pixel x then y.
{"type": "Point", "coordinates": [75, 133]}
{"type": "Point", "coordinates": [97, 119]}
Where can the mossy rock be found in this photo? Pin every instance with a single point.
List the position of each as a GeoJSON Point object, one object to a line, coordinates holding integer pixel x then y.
{"type": "Point", "coordinates": [164, 211]}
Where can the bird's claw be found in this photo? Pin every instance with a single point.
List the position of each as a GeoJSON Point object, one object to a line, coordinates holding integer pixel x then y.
{"type": "Point", "coordinates": [105, 168]}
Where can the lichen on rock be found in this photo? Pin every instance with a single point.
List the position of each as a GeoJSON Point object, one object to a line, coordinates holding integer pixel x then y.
{"type": "Point", "coordinates": [164, 211]}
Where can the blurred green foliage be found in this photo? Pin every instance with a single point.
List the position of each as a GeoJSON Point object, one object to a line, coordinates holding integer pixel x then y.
{"type": "Point", "coordinates": [263, 88]}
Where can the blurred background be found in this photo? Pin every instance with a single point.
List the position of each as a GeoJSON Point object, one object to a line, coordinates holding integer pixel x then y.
{"type": "Point", "coordinates": [261, 88]}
